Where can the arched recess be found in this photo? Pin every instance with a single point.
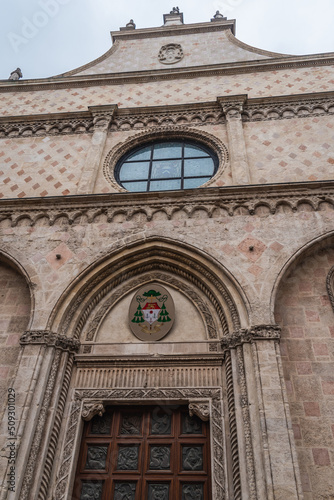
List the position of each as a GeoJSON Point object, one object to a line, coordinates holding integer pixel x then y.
{"type": "Point", "coordinates": [204, 281]}
{"type": "Point", "coordinates": [303, 308]}
{"type": "Point", "coordinates": [16, 306]}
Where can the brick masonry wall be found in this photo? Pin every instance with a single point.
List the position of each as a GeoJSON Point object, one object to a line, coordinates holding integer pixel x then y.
{"type": "Point", "coordinates": [305, 313]}
{"type": "Point", "coordinates": [168, 92]}
{"type": "Point", "coordinates": [14, 317]}
{"type": "Point", "coordinates": [48, 166]}
{"type": "Point", "coordinates": [297, 149]}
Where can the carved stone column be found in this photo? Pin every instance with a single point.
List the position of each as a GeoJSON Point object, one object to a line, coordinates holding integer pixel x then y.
{"type": "Point", "coordinates": [102, 116]}
{"type": "Point", "coordinates": [232, 107]}
{"type": "Point", "coordinates": [39, 435]}
{"type": "Point", "coordinates": [262, 415]}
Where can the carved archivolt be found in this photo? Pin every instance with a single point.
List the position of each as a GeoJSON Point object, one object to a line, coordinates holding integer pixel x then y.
{"type": "Point", "coordinates": [156, 259]}
{"type": "Point", "coordinates": [104, 308]}
{"type": "Point", "coordinates": [163, 133]}
{"type": "Point", "coordinates": [91, 398]}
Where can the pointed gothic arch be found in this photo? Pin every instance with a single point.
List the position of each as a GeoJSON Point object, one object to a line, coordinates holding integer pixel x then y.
{"type": "Point", "coordinates": [156, 258]}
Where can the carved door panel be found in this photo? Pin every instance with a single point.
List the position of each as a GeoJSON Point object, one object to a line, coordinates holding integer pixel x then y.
{"type": "Point", "coordinates": [144, 453]}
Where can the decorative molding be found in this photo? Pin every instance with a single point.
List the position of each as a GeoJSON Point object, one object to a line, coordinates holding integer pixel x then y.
{"type": "Point", "coordinates": [258, 200]}
{"type": "Point", "coordinates": [249, 454]}
{"type": "Point", "coordinates": [187, 114]}
{"type": "Point", "coordinates": [40, 428]}
{"type": "Point", "coordinates": [194, 115]}
{"type": "Point", "coordinates": [92, 408]}
{"type": "Point", "coordinates": [101, 310]}
{"type": "Point", "coordinates": [168, 132]}
{"type": "Point", "coordinates": [49, 461]}
{"type": "Point", "coordinates": [141, 373]}
{"type": "Point", "coordinates": [330, 286]}
{"type": "Point", "coordinates": [290, 106]}
{"type": "Point", "coordinates": [232, 420]}
{"type": "Point", "coordinates": [50, 339]}
{"type": "Point", "coordinates": [138, 396]}
{"type": "Point", "coordinates": [247, 336]}
{"type": "Point", "coordinates": [201, 409]}
{"type": "Point", "coordinates": [50, 124]}
{"type": "Point", "coordinates": [245, 67]}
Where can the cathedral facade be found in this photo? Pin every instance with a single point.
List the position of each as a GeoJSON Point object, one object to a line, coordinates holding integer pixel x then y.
{"type": "Point", "coordinates": [167, 273]}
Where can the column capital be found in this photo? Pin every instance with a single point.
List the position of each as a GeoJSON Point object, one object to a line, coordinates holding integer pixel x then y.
{"type": "Point", "coordinates": [232, 105]}
{"type": "Point", "coordinates": [102, 115]}
{"type": "Point", "coordinates": [249, 335]}
{"type": "Point", "coordinates": [49, 339]}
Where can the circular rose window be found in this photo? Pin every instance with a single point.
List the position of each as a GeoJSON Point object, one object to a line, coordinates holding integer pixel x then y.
{"type": "Point", "coordinates": [166, 166]}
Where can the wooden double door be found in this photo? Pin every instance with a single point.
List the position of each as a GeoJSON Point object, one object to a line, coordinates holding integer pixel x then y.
{"type": "Point", "coordinates": [144, 453]}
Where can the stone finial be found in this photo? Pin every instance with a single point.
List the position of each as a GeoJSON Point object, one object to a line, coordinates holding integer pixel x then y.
{"type": "Point", "coordinates": [174, 17]}
{"type": "Point", "coordinates": [218, 17]}
{"type": "Point", "coordinates": [16, 75]}
{"type": "Point", "coordinates": [129, 26]}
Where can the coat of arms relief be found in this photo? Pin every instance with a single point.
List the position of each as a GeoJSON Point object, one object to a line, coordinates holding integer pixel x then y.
{"type": "Point", "coordinates": [151, 314]}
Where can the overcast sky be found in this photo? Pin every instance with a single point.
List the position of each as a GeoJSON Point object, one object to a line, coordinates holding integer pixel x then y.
{"type": "Point", "coordinates": [48, 37]}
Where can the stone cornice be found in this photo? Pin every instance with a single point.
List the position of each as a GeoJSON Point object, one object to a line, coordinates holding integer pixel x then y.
{"type": "Point", "coordinates": [247, 336]}
{"type": "Point", "coordinates": [194, 114]}
{"type": "Point", "coordinates": [77, 81]}
{"type": "Point", "coordinates": [229, 200]}
{"type": "Point", "coordinates": [49, 339]}
{"type": "Point", "coordinates": [174, 30]}
{"type": "Point", "coordinates": [91, 360]}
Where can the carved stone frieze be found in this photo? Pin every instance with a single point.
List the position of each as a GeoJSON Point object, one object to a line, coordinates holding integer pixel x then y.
{"type": "Point", "coordinates": [50, 339]}
{"type": "Point", "coordinates": [137, 396]}
{"type": "Point", "coordinates": [262, 200]}
{"type": "Point", "coordinates": [247, 336]}
{"type": "Point", "coordinates": [92, 408]}
{"type": "Point", "coordinates": [201, 409]}
{"type": "Point", "coordinates": [256, 109]}
{"type": "Point", "coordinates": [50, 125]}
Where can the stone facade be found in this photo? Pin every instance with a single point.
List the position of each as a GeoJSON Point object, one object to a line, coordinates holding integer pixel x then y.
{"type": "Point", "coordinates": [248, 258]}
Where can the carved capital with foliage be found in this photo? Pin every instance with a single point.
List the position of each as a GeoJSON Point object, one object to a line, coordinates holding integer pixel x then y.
{"type": "Point", "coordinates": [248, 335]}
{"type": "Point", "coordinates": [49, 339]}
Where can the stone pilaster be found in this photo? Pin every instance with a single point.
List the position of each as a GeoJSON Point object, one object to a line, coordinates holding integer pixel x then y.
{"type": "Point", "coordinates": [232, 107]}
{"type": "Point", "coordinates": [102, 116]}
{"type": "Point", "coordinates": [50, 354]}
{"type": "Point", "coordinates": [262, 414]}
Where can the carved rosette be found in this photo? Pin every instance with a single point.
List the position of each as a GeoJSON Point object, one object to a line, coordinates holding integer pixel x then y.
{"type": "Point", "coordinates": [92, 408]}
{"type": "Point", "coordinates": [201, 409]}
{"type": "Point", "coordinates": [50, 339]}
{"type": "Point", "coordinates": [247, 336]}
